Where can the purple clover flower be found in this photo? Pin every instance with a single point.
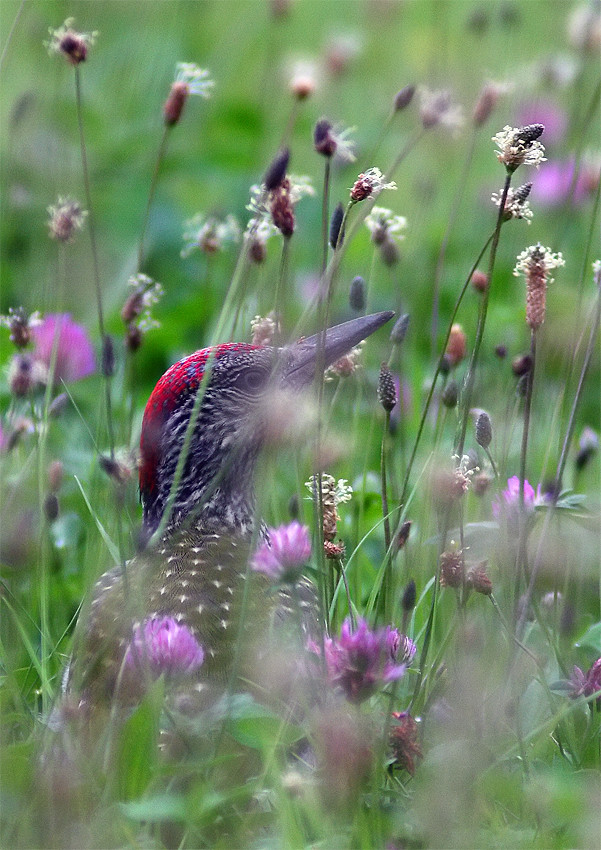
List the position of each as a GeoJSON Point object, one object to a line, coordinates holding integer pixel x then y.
{"type": "Point", "coordinates": [288, 550]}
{"type": "Point", "coordinates": [361, 661]}
{"type": "Point", "coordinates": [553, 184]}
{"type": "Point", "coordinates": [74, 352]}
{"type": "Point", "coordinates": [586, 684]}
{"type": "Point", "coordinates": [511, 498]}
{"type": "Point", "coordinates": [166, 646]}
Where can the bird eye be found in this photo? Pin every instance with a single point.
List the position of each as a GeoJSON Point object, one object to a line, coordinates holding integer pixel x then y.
{"type": "Point", "coordinates": [253, 379]}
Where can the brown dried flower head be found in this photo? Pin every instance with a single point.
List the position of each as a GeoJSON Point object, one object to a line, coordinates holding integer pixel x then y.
{"type": "Point", "coordinates": [404, 741]}
{"type": "Point", "coordinates": [369, 184]}
{"type": "Point", "coordinates": [264, 329]}
{"type": "Point", "coordinates": [451, 569]}
{"type": "Point", "coordinates": [189, 79]}
{"type": "Point", "coordinates": [66, 219]}
{"type": "Point", "coordinates": [69, 43]}
{"type": "Point", "coordinates": [20, 325]}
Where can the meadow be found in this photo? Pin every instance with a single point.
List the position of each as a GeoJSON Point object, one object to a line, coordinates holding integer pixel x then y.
{"type": "Point", "coordinates": [436, 158]}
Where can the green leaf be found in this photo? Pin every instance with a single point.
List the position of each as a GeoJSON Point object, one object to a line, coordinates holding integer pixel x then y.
{"type": "Point", "coordinates": [155, 809]}
{"type": "Point", "coordinates": [258, 728]}
{"type": "Point", "coordinates": [591, 639]}
{"type": "Point", "coordinates": [114, 551]}
{"type": "Point", "coordinates": [137, 749]}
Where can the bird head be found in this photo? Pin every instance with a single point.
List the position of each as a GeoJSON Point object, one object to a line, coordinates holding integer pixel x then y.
{"type": "Point", "coordinates": [223, 390]}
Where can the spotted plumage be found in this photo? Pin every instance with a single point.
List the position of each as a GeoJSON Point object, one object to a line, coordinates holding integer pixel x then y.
{"type": "Point", "coordinates": [197, 570]}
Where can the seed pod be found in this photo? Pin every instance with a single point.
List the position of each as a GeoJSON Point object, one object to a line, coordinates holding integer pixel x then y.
{"type": "Point", "coordinates": [403, 98]}
{"type": "Point", "coordinates": [386, 388]}
{"type": "Point", "coordinates": [400, 328]}
{"type": "Point", "coordinates": [483, 430]}
{"type": "Point", "coordinates": [357, 294]}
{"type": "Point", "coordinates": [336, 236]}
{"type": "Point", "coordinates": [409, 596]}
{"type": "Point", "coordinates": [529, 133]}
{"type": "Point", "coordinates": [323, 140]}
{"type": "Point", "coordinates": [450, 394]}
{"type": "Point", "coordinates": [277, 170]}
{"type": "Point", "coordinates": [51, 507]}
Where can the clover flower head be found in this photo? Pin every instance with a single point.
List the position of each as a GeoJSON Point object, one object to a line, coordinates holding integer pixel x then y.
{"type": "Point", "coordinates": [361, 661]}
{"type": "Point", "coordinates": [69, 43]}
{"type": "Point", "coordinates": [520, 146]}
{"type": "Point", "coordinates": [283, 557]}
{"type": "Point", "coordinates": [167, 647]}
{"type": "Point", "coordinates": [369, 184]}
{"type": "Point", "coordinates": [68, 343]}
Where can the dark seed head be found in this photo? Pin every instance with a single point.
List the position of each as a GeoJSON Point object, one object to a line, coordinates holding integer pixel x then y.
{"type": "Point", "coordinates": [409, 596]}
{"type": "Point", "coordinates": [403, 98]}
{"type": "Point", "coordinates": [336, 234]}
{"type": "Point", "coordinates": [450, 394]}
{"type": "Point", "coordinates": [483, 430]}
{"type": "Point", "coordinates": [277, 170]}
{"type": "Point", "coordinates": [357, 294]}
{"type": "Point", "coordinates": [399, 331]}
{"type": "Point", "coordinates": [386, 388]}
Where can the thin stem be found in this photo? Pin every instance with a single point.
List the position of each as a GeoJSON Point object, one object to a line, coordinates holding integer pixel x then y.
{"type": "Point", "coordinates": [151, 194]}
{"type": "Point", "coordinates": [561, 463]}
{"type": "Point", "coordinates": [96, 268]}
{"type": "Point", "coordinates": [10, 34]}
{"type": "Point", "coordinates": [527, 411]}
{"type": "Point", "coordinates": [426, 409]}
{"type": "Point", "coordinates": [325, 216]}
{"type": "Point", "coordinates": [471, 372]}
{"type": "Point", "coordinates": [445, 239]}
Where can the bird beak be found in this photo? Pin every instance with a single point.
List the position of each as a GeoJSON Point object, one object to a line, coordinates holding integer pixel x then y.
{"type": "Point", "coordinates": [301, 358]}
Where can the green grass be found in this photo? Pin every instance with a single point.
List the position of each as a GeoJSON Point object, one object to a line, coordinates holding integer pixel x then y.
{"type": "Point", "coordinates": [508, 759]}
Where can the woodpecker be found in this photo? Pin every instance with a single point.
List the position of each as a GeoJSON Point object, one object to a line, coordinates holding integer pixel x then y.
{"type": "Point", "coordinates": [195, 567]}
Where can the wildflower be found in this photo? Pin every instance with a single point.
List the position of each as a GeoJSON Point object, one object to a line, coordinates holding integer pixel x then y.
{"type": "Point", "coordinates": [456, 346]}
{"type": "Point", "coordinates": [589, 684]}
{"type": "Point", "coordinates": [25, 374]}
{"type": "Point", "coordinates": [279, 203]}
{"type": "Point", "coordinates": [384, 225]}
{"type": "Point", "coordinates": [208, 234]}
{"type": "Point", "coordinates": [450, 394]}
{"type": "Point", "coordinates": [256, 235]}
{"type": "Point", "coordinates": [403, 98]}
{"type": "Point", "coordinates": [477, 579]}
{"type": "Point", "coordinates": [516, 203]}
{"type": "Point", "coordinates": [340, 51]}
{"type": "Point", "coordinates": [386, 388]}
{"type": "Point", "coordinates": [451, 569]}
{"type": "Point", "coordinates": [404, 741]}
{"type": "Point", "coordinates": [508, 507]}
{"type": "Point", "coordinates": [401, 541]}
{"type": "Point", "coordinates": [346, 365]}
{"type": "Point", "coordinates": [166, 646]}
{"type": "Point", "coordinates": [276, 171]}
{"type": "Point", "coordinates": [74, 352]}
{"type": "Point", "coordinates": [332, 494]}
{"type": "Point", "coordinates": [264, 329]}
{"type": "Point", "coordinates": [400, 328]}
{"type": "Point", "coordinates": [189, 79]}
{"type": "Point", "coordinates": [437, 108]}
{"type": "Point", "coordinates": [549, 114]}
{"type": "Point", "coordinates": [330, 141]}
{"type": "Point", "coordinates": [584, 28]}
{"type": "Point", "coordinates": [66, 218]}
{"type": "Point", "coordinates": [487, 100]}
{"type": "Point", "coordinates": [20, 325]}
{"type": "Point", "coordinates": [588, 446]}
{"type": "Point", "coordinates": [121, 467]}
{"type": "Point", "coordinates": [362, 661]}
{"type": "Point", "coordinates": [483, 429]}
{"type": "Point", "coordinates": [558, 182]}
{"type": "Point", "coordinates": [520, 146]}
{"type": "Point", "coordinates": [480, 281]}
{"type": "Point", "coordinates": [286, 553]}
{"type": "Point", "coordinates": [71, 44]}
{"type": "Point", "coordinates": [535, 263]}
{"type": "Point", "coordinates": [303, 79]}
{"type": "Point", "coordinates": [369, 185]}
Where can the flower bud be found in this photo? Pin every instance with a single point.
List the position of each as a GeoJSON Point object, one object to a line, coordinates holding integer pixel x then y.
{"type": "Point", "coordinates": [403, 98]}
{"type": "Point", "coordinates": [456, 346]}
{"type": "Point", "coordinates": [386, 389]}
{"type": "Point", "coordinates": [483, 430]}
{"type": "Point", "coordinates": [55, 476]}
{"type": "Point", "coordinates": [176, 100]}
{"type": "Point", "coordinates": [409, 596]}
{"type": "Point", "coordinates": [323, 140]}
{"type": "Point", "coordinates": [399, 330]}
{"type": "Point", "coordinates": [357, 294]}
{"type": "Point", "coordinates": [51, 507]}
{"type": "Point", "coordinates": [276, 172]}
{"type": "Point", "coordinates": [108, 357]}
{"type": "Point", "coordinates": [403, 535]}
{"type": "Point", "coordinates": [450, 394]}
{"type": "Point", "coordinates": [480, 281]}
{"type": "Point", "coordinates": [336, 234]}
